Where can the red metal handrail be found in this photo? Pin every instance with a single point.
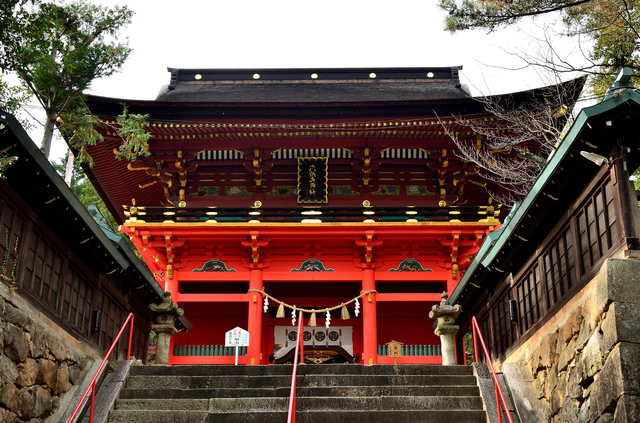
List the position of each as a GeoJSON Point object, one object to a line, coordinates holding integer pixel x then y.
{"type": "Point", "coordinates": [299, 348]}
{"type": "Point", "coordinates": [499, 395]}
{"type": "Point", "coordinates": [92, 385]}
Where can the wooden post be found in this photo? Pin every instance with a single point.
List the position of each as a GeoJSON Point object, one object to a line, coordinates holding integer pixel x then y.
{"type": "Point", "coordinates": [369, 320]}
{"type": "Point", "coordinates": [628, 203]}
{"type": "Point", "coordinates": [254, 351]}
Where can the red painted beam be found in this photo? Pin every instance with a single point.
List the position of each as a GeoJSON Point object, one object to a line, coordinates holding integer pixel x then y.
{"type": "Point", "coordinates": [428, 298]}
{"type": "Point", "coordinates": [213, 298]}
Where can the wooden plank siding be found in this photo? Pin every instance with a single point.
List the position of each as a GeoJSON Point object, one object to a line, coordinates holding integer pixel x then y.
{"type": "Point", "coordinates": [61, 286]}
{"type": "Point", "coordinates": [566, 260]}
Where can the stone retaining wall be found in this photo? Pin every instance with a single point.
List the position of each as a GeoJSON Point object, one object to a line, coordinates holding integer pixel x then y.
{"type": "Point", "coordinates": [39, 361]}
{"type": "Point", "coordinates": [584, 364]}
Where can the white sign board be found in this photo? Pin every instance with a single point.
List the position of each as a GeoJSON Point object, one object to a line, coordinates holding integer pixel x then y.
{"type": "Point", "coordinates": [236, 337]}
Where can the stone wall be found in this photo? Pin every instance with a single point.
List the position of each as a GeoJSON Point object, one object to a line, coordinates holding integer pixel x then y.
{"type": "Point", "coordinates": [584, 364]}
{"type": "Point", "coordinates": [39, 361]}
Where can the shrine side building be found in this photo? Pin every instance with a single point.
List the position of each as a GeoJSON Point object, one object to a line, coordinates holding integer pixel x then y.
{"type": "Point", "coordinates": [336, 192]}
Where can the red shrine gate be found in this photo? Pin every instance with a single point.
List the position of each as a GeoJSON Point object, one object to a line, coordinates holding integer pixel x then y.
{"type": "Point", "coordinates": [338, 192]}
{"type": "Point", "coordinates": [219, 274]}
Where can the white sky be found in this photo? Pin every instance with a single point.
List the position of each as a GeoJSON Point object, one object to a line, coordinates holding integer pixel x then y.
{"type": "Point", "coordinates": [304, 34]}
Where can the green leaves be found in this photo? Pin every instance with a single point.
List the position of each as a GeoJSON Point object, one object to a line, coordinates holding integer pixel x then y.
{"type": "Point", "coordinates": [610, 29]}
{"type": "Point", "coordinates": [133, 135]}
{"type": "Point", "coordinates": [11, 97]}
{"type": "Point", "coordinates": [58, 49]}
{"type": "Point", "coordinates": [5, 161]}
{"type": "Point", "coordinates": [79, 128]}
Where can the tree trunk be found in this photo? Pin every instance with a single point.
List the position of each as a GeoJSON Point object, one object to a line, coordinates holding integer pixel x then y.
{"type": "Point", "coordinates": [49, 125]}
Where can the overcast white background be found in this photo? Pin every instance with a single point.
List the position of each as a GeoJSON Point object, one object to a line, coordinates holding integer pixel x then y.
{"type": "Point", "coordinates": [312, 34]}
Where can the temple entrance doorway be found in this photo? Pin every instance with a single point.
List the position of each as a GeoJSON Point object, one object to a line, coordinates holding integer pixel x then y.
{"type": "Point", "coordinates": [321, 345]}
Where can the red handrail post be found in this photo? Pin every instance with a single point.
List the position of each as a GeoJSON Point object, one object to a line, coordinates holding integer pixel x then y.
{"type": "Point", "coordinates": [475, 343]}
{"type": "Point", "coordinates": [301, 341]}
{"type": "Point", "coordinates": [464, 350]}
{"type": "Point", "coordinates": [291, 418]}
{"type": "Point", "coordinates": [92, 384]}
{"type": "Point", "coordinates": [498, 406]}
{"type": "Point", "coordinates": [93, 397]}
{"type": "Point", "coordinates": [130, 337]}
{"type": "Point", "coordinates": [499, 394]}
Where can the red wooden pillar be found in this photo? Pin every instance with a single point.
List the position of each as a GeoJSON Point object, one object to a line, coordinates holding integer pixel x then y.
{"type": "Point", "coordinates": [369, 320]}
{"type": "Point", "coordinates": [254, 351]}
{"type": "Point", "coordinates": [171, 285]}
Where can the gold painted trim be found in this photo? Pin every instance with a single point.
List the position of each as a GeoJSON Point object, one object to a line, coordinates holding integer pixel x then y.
{"type": "Point", "coordinates": [482, 222]}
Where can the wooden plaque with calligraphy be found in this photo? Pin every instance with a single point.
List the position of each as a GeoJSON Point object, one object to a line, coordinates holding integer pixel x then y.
{"type": "Point", "coordinates": [312, 179]}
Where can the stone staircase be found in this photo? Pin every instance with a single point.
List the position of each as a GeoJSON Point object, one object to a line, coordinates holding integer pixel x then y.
{"type": "Point", "coordinates": [336, 393]}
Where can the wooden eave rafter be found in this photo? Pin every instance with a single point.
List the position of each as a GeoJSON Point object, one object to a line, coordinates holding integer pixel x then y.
{"type": "Point", "coordinates": [403, 128]}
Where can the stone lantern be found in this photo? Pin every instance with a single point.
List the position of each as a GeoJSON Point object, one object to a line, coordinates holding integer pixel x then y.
{"type": "Point", "coordinates": [164, 319]}
{"type": "Point", "coordinates": [446, 328]}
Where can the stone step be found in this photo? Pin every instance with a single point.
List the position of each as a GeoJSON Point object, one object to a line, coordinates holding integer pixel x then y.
{"type": "Point", "coordinates": [161, 416]}
{"type": "Point", "coordinates": [226, 405]}
{"type": "Point", "coordinates": [258, 404]}
{"type": "Point", "coordinates": [380, 416]}
{"type": "Point", "coordinates": [165, 404]}
{"type": "Point", "coordinates": [329, 393]}
{"type": "Point", "coordinates": [383, 416]}
{"type": "Point", "coordinates": [307, 369]}
{"type": "Point", "coordinates": [205, 382]}
{"type": "Point", "coordinates": [339, 391]}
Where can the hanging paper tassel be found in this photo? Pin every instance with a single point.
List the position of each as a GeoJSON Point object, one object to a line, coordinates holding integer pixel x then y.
{"type": "Point", "coordinates": [293, 316]}
{"type": "Point", "coordinates": [312, 319]}
{"type": "Point", "coordinates": [280, 313]}
{"type": "Point", "coordinates": [327, 320]}
{"type": "Point", "coordinates": [266, 304]}
{"type": "Point", "coordinates": [357, 310]}
{"type": "Point", "coordinates": [345, 313]}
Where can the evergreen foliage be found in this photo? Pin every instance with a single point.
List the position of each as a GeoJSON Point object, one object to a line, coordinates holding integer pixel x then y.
{"type": "Point", "coordinates": [611, 27]}
{"type": "Point", "coordinates": [57, 50]}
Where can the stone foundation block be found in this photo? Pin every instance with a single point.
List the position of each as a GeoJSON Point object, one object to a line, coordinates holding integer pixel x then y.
{"type": "Point", "coordinates": [34, 402]}
{"type": "Point", "coordinates": [620, 376]}
{"type": "Point", "coordinates": [16, 316]}
{"type": "Point", "coordinates": [15, 343]}
{"type": "Point", "coordinates": [617, 283]}
{"type": "Point", "coordinates": [8, 370]}
{"type": "Point", "coordinates": [28, 373]}
{"type": "Point", "coordinates": [628, 409]}
{"type": "Point", "coordinates": [621, 325]}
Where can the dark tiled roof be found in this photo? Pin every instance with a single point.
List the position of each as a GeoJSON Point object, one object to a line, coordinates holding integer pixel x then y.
{"type": "Point", "coordinates": [312, 86]}
{"type": "Point", "coordinates": [316, 93]}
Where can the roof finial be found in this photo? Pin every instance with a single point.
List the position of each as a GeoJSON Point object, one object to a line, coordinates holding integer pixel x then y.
{"type": "Point", "coordinates": [621, 82]}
